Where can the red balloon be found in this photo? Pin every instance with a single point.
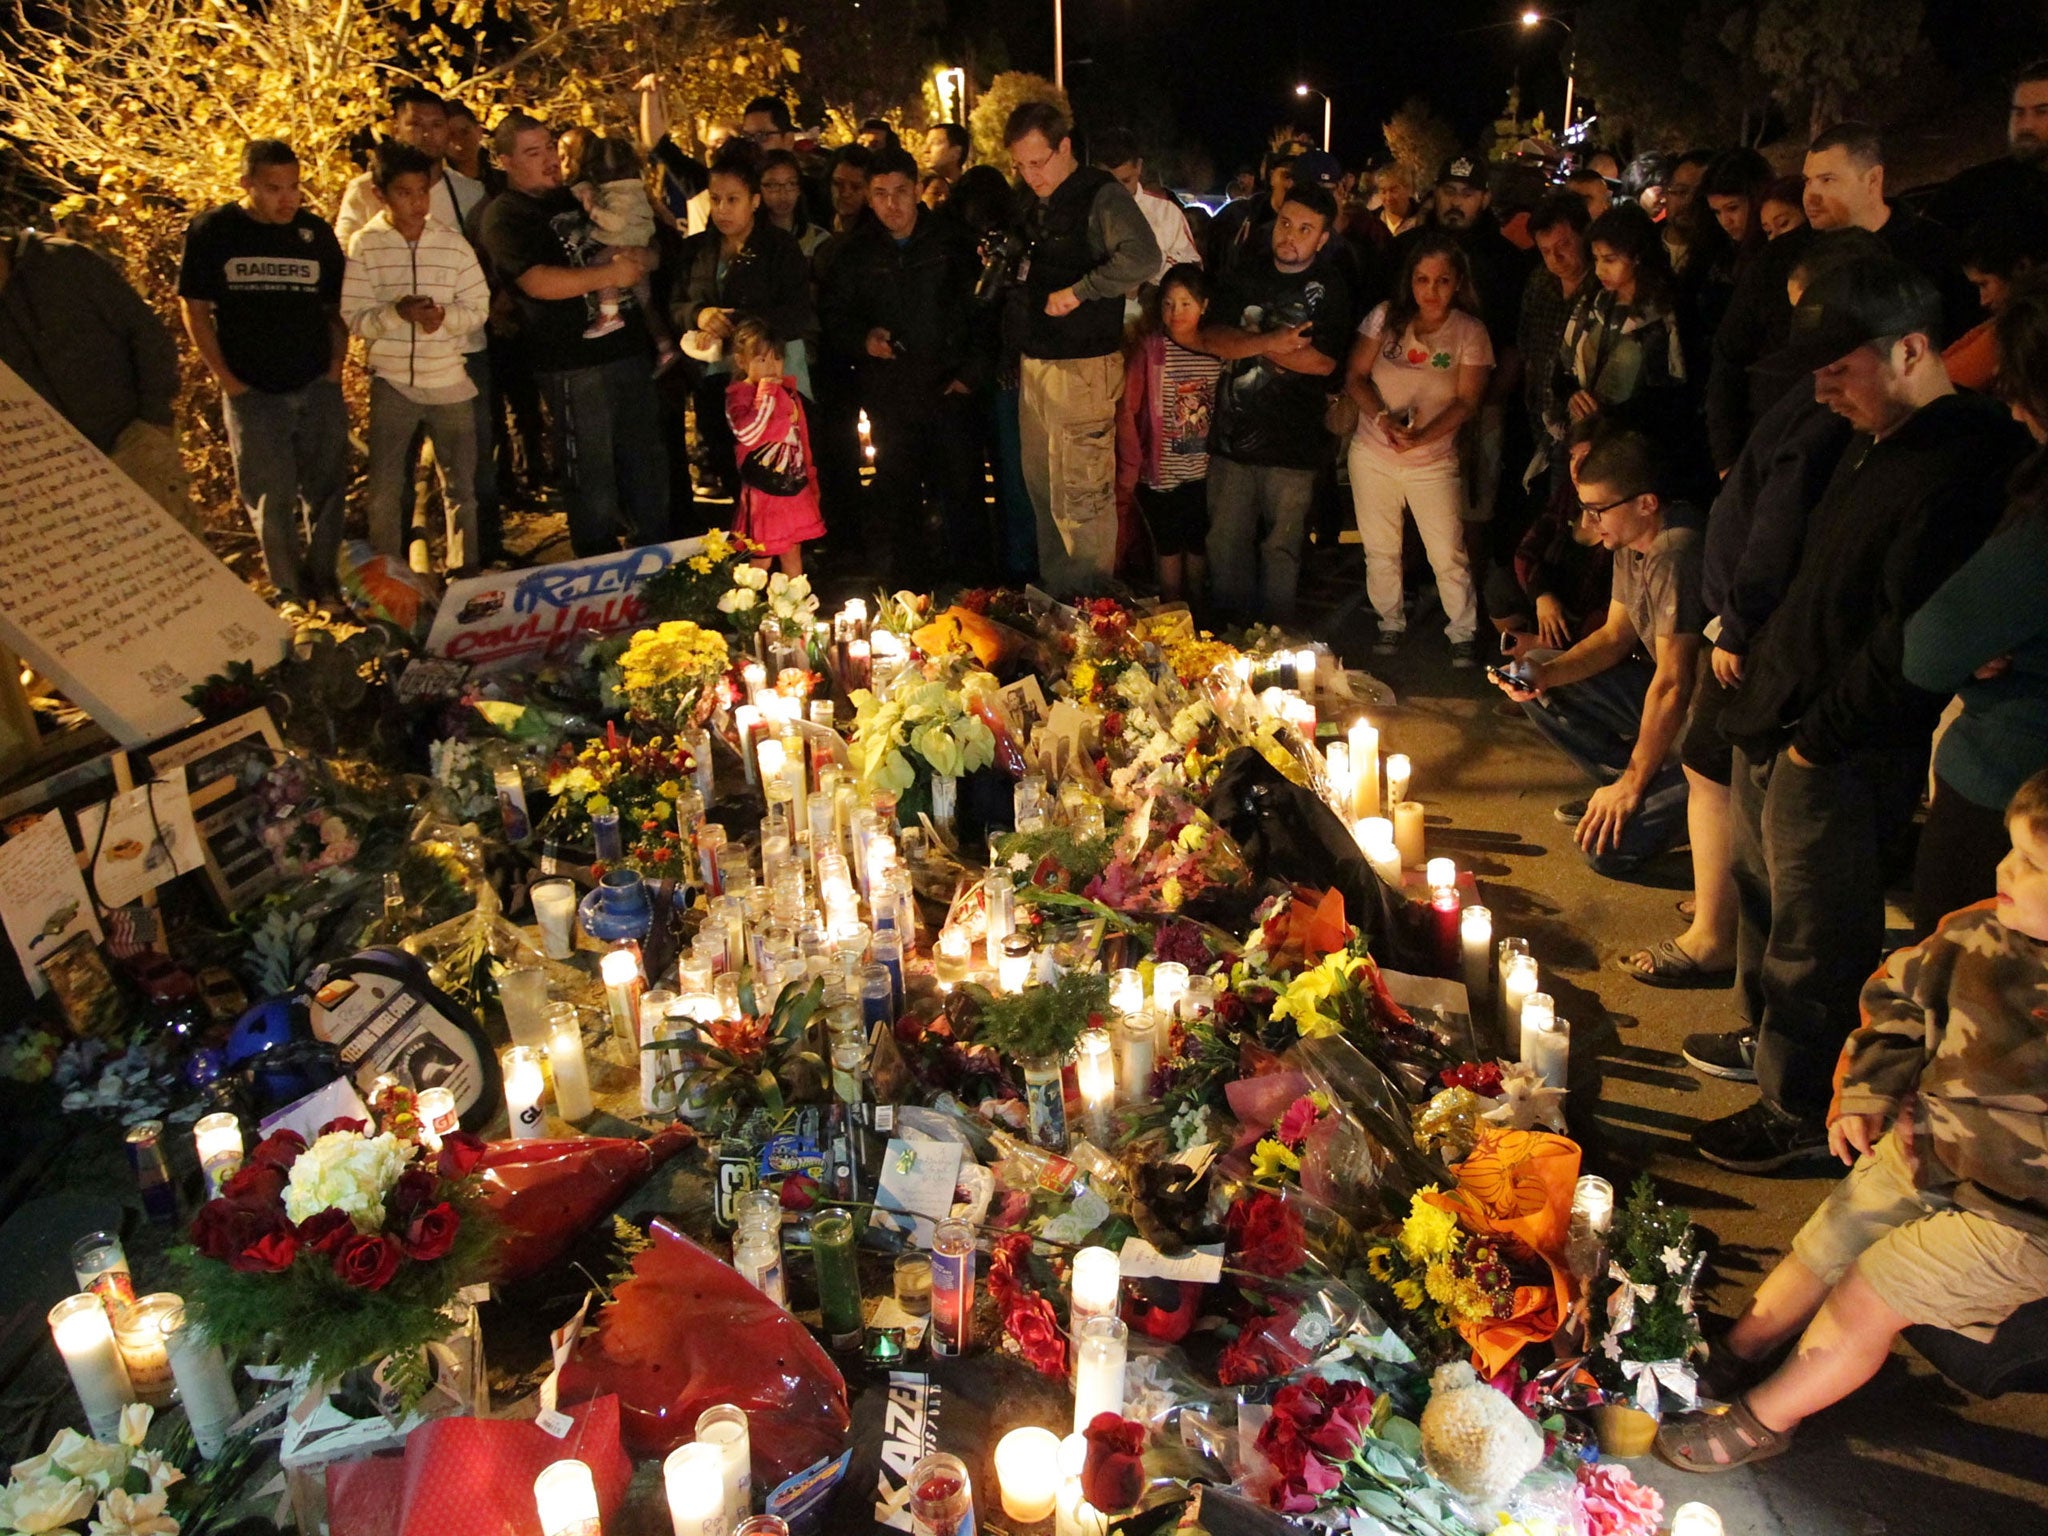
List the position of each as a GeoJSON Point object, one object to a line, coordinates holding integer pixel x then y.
{"type": "Point", "coordinates": [545, 1193]}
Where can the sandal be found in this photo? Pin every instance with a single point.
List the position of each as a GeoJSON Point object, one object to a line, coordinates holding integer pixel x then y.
{"type": "Point", "coordinates": [1711, 1441]}
{"type": "Point", "coordinates": [1670, 966]}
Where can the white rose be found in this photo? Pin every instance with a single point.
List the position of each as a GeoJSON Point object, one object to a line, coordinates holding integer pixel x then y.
{"type": "Point", "coordinates": [134, 1514]}
{"type": "Point", "coordinates": [135, 1424]}
{"type": "Point", "coordinates": [77, 1456]}
{"type": "Point", "coordinates": [44, 1504]}
{"type": "Point", "coordinates": [347, 1172]}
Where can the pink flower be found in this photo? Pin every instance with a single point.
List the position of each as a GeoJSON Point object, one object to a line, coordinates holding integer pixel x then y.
{"type": "Point", "coordinates": [1296, 1121]}
{"type": "Point", "coordinates": [1613, 1503]}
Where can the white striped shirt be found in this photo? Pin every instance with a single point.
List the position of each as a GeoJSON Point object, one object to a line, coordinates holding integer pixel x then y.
{"type": "Point", "coordinates": [453, 199]}
{"type": "Point", "coordinates": [384, 267]}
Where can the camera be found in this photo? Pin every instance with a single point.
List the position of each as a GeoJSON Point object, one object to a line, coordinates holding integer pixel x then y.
{"type": "Point", "coordinates": [1003, 257]}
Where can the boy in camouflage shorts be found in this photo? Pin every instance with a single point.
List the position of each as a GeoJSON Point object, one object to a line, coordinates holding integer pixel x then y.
{"type": "Point", "coordinates": [1943, 1219]}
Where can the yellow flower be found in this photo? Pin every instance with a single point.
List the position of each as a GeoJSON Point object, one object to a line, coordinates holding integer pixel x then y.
{"type": "Point", "coordinates": [668, 789]}
{"type": "Point", "coordinates": [1193, 837]}
{"type": "Point", "coordinates": [1409, 1294]}
{"type": "Point", "coordinates": [1428, 1232]}
{"type": "Point", "coordinates": [1379, 1265]}
{"type": "Point", "coordinates": [1083, 677]}
{"type": "Point", "coordinates": [1170, 893]}
{"type": "Point", "coordinates": [1272, 1161]}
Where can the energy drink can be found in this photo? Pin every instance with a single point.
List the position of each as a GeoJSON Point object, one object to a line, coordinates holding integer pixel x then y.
{"type": "Point", "coordinates": [152, 1173]}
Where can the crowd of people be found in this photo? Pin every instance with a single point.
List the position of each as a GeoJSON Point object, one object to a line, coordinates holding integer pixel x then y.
{"type": "Point", "coordinates": [1739, 470]}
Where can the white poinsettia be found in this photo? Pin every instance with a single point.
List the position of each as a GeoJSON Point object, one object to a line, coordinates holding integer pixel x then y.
{"type": "Point", "coordinates": [345, 1172]}
{"type": "Point", "coordinates": [133, 1514]}
{"type": "Point", "coordinates": [33, 1505]}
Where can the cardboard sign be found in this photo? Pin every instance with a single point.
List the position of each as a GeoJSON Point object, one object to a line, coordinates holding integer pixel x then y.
{"type": "Point", "coordinates": [522, 616]}
{"type": "Point", "coordinates": [139, 839]}
{"type": "Point", "coordinates": [102, 590]}
{"type": "Point", "coordinates": [238, 861]}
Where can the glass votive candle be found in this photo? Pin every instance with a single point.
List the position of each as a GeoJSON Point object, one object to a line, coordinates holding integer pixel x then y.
{"type": "Point", "coordinates": [694, 1478]}
{"type": "Point", "coordinates": [1169, 986]}
{"type": "Point", "coordinates": [139, 1333]}
{"type": "Point", "coordinates": [1028, 1473]}
{"type": "Point", "coordinates": [85, 1338]}
{"type": "Point", "coordinates": [951, 957]}
{"type": "Point", "coordinates": [554, 911]}
{"type": "Point", "coordinates": [565, 1497]}
{"type": "Point", "coordinates": [1127, 991]}
{"type": "Point", "coordinates": [725, 1426]}
{"type": "Point", "coordinates": [526, 1087]}
{"type": "Point", "coordinates": [436, 1108]}
{"type": "Point", "coordinates": [914, 1283]}
{"type": "Point", "coordinates": [218, 1140]}
{"type": "Point", "coordinates": [205, 1389]}
{"type": "Point", "coordinates": [101, 1265]}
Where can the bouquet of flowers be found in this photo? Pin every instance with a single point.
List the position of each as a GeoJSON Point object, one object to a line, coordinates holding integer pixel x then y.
{"type": "Point", "coordinates": [1168, 854]}
{"type": "Point", "coordinates": [123, 1488]}
{"type": "Point", "coordinates": [303, 830]}
{"type": "Point", "coordinates": [347, 1251]}
{"type": "Point", "coordinates": [757, 1060]}
{"type": "Point", "coordinates": [918, 730]}
{"type": "Point", "coordinates": [640, 780]}
{"type": "Point", "coordinates": [669, 675]}
{"type": "Point", "coordinates": [694, 589]}
{"type": "Point", "coordinates": [1441, 1275]}
{"type": "Point", "coordinates": [1030, 1326]}
{"type": "Point", "coordinates": [758, 595]}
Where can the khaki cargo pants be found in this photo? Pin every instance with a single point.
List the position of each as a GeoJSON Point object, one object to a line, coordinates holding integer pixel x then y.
{"type": "Point", "coordinates": [1067, 421]}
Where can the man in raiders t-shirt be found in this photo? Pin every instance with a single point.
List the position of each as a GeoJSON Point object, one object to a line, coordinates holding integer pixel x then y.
{"type": "Point", "coordinates": [260, 290]}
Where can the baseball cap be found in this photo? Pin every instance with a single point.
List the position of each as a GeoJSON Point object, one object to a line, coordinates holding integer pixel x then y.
{"type": "Point", "coordinates": [1852, 305]}
{"type": "Point", "coordinates": [1317, 166]}
{"type": "Point", "coordinates": [1469, 169]}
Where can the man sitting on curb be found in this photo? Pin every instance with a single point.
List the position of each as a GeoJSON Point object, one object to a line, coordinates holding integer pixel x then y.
{"type": "Point", "coordinates": [1613, 712]}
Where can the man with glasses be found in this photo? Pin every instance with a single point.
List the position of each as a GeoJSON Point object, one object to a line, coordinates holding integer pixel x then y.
{"type": "Point", "coordinates": [1615, 703]}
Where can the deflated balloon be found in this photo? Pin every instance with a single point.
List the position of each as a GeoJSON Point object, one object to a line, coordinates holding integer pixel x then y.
{"type": "Point", "coordinates": [544, 1194]}
{"type": "Point", "coordinates": [687, 1332]}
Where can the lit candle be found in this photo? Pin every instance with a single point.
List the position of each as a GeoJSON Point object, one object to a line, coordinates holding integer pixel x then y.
{"type": "Point", "coordinates": [1375, 835]}
{"type": "Point", "coordinates": [1399, 773]}
{"type": "Point", "coordinates": [657, 1095]}
{"type": "Point", "coordinates": [1592, 1204]}
{"type": "Point", "coordinates": [1475, 946]}
{"type": "Point", "coordinates": [1444, 904]}
{"type": "Point", "coordinates": [1017, 963]}
{"type": "Point", "coordinates": [1514, 991]}
{"type": "Point", "coordinates": [695, 1479]}
{"type": "Point", "coordinates": [1337, 773]}
{"type": "Point", "coordinates": [859, 666]}
{"type": "Point", "coordinates": [1439, 873]}
{"type": "Point", "coordinates": [1169, 986]}
{"type": "Point", "coordinates": [85, 1338]}
{"type": "Point", "coordinates": [554, 908]}
{"type": "Point", "coordinates": [1408, 832]}
{"type": "Point", "coordinates": [755, 676]}
{"type": "Point", "coordinates": [525, 1086]}
{"type": "Point", "coordinates": [746, 725]}
{"type": "Point", "coordinates": [1028, 1473]}
{"type": "Point", "coordinates": [771, 760]}
{"type": "Point", "coordinates": [1305, 674]}
{"type": "Point", "coordinates": [1097, 1287]}
{"type": "Point", "coordinates": [1538, 1009]}
{"type": "Point", "coordinates": [437, 1116]}
{"type": "Point", "coordinates": [951, 956]}
{"type": "Point", "coordinates": [1241, 669]}
{"type": "Point", "coordinates": [139, 1335]}
{"type": "Point", "coordinates": [218, 1139]}
{"type": "Point", "coordinates": [725, 1426]}
{"type": "Point", "coordinates": [1365, 769]}
{"type": "Point", "coordinates": [1075, 1516]}
{"type": "Point", "coordinates": [1696, 1519]}
{"type": "Point", "coordinates": [1549, 1045]}
{"type": "Point", "coordinates": [1095, 1072]}
{"type": "Point", "coordinates": [204, 1386]}
{"type": "Point", "coordinates": [565, 1496]}
{"type": "Point", "coordinates": [1127, 991]}
{"type": "Point", "coordinates": [623, 984]}
{"type": "Point", "coordinates": [571, 1068]}
{"type": "Point", "coordinates": [1137, 1055]}
{"type": "Point", "coordinates": [1100, 1344]}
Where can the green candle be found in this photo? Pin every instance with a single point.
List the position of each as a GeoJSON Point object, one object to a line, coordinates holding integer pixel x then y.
{"type": "Point", "coordinates": [838, 1278]}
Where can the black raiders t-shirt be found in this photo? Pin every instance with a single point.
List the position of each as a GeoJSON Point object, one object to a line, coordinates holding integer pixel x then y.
{"type": "Point", "coordinates": [1266, 414]}
{"type": "Point", "coordinates": [522, 230]}
{"type": "Point", "coordinates": [273, 287]}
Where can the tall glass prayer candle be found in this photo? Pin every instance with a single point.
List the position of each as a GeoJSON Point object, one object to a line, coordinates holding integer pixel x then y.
{"type": "Point", "coordinates": [565, 1497]}
{"type": "Point", "coordinates": [1074, 1515]}
{"type": "Point", "coordinates": [1506, 952]}
{"type": "Point", "coordinates": [101, 1265]}
{"type": "Point", "coordinates": [1028, 1473]}
{"type": "Point", "coordinates": [85, 1338]}
{"type": "Point", "coordinates": [145, 1144]}
{"type": "Point", "coordinates": [694, 1477]}
{"type": "Point", "coordinates": [1127, 991]}
{"type": "Point", "coordinates": [1097, 1286]}
{"type": "Point", "coordinates": [437, 1114]}
{"type": "Point", "coordinates": [1100, 1346]}
{"type": "Point", "coordinates": [1137, 1053]}
{"type": "Point", "coordinates": [139, 1335]}
{"type": "Point", "coordinates": [623, 986]}
{"type": "Point", "coordinates": [725, 1426]}
{"type": "Point", "coordinates": [998, 896]}
{"type": "Point", "coordinates": [657, 1092]}
{"type": "Point", "coordinates": [1518, 981]}
{"type": "Point", "coordinates": [204, 1386]}
{"type": "Point", "coordinates": [1445, 905]}
{"type": "Point", "coordinates": [1095, 1074]}
{"type": "Point", "coordinates": [526, 1087]}
{"type": "Point", "coordinates": [607, 840]}
{"type": "Point", "coordinates": [523, 997]}
{"type": "Point", "coordinates": [1547, 1045]}
{"type": "Point", "coordinates": [1400, 773]}
{"type": "Point", "coordinates": [571, 1069]}
{"type": "Point", "coordinates": [554, 909]}
{"type": "Point", "coordinates": [1169, 986]}
{"type": "Point", "coordinates": [710, 844]}
{"type": "Point", "coordinates": [877, 996]}
{"type": "Point", "coordinates": [218, 1140]}
{"type": "Point", "coordinates": [762, 1525]}
{"type": "Point", "coordinates": [886, 950]}
{"type": "Point", "coordinates": [952, 1326]}
{"type": "Point", "coordinates": [755, 676]}
{"type": "Point", "coordinates": [1408, 821]}
{"type": "Point", "coordinates": [1475, 957]}
{"type": "Point", "coordinates": [951, 956]}
{"type": "Point", "coordinates": [839, 1309]}
{"type": "Point", "coordinates": [941, 1497]}
{"type": "Point", "coordinates": [1305, 674]}
{"type": "Point", "coordinates": [1538, 1009]}
{"type": "Point", "coordinates": [1364, 741]}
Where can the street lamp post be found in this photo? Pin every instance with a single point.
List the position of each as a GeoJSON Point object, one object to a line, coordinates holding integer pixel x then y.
{"type": "Point", "coordinates": [1059, 44]}
{"type": "Point", "coordinates": [1308, 90]}
{"type": "Point", "coordinates": [1534, 19]}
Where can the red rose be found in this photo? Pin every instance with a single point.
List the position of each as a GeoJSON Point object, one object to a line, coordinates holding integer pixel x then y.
{"type": "Point", "coordinates": [1037, 1332]}
{"type": "Point", "coordinates": [270, 1254]}
{"type": "Point", "coordinates": [367, 1262]}
{"type": "Point", "coordinates": [799, 1192]}
{"type": "Point", "coordinates": [1114, 1475]}
{"type": "Point", "coordinates": [345, 1123]}
{"type": "Point", "coordinates": [460, 1154]}
{"type": "Point", "coordinates": [325, 1231]}
{"type": "Point", "coordinates": [279, 1150]}
{"type": "Point", "coordinates": [414, 1191]}
{"type": "Point", "coordinates": [223, 1229]}
{"type": "Point", "coordinates": [1265, 1235]}
{"type": "Point", "coordinates": [432, 1233]}
{"type": "Point", "coordinates": [254, 1184]}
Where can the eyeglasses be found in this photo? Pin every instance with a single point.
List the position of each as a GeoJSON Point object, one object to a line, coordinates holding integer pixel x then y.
{"type": "Point", "coordinates": [1603, 510]}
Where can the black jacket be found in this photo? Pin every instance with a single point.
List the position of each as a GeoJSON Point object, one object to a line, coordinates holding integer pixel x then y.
{"type": "Point", "coordinates": [769, 279]}
{"type": "Point", "coordinates": [1754, 325]}
{"type": "Point", "coordinates": [1825, 673]}
{"type": "Point", "coordinates": [921, 292]}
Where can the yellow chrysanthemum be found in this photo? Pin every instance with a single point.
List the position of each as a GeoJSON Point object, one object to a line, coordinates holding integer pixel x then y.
{"type": "Point", "coordinates": [1272, 1161]}
{"type": "Point", "coordinates": [1409, 1294]}
{"type": "Point", "coordinates": [1428, 1232]}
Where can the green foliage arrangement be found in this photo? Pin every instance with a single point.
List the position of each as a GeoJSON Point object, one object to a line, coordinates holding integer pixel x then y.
{"type": "Point", "coordinates": [1650, 1247]}
{"type": "Point", "coordinates": [757, 1061]}
{"type": "Point", "coordinates": [1044, 1021]}
{"type": "Point", "coordinates": [1075, 860]}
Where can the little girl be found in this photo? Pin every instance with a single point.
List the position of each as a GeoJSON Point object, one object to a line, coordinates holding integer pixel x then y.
{"type": "Point", "coordinates": [778, 504]}
{"type": "Point", "coordinates": [1162, 432]}
{"type": "Point", "coordinates": [611, 184]}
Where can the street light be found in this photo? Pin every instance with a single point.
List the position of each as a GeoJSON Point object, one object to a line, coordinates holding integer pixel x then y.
{"type": "Point", "coordinates": [1534, 19]}
{"type": "Point", "coordinates": [1059, 44]}
{"type": "Point", "coordinates": [1309, 90]}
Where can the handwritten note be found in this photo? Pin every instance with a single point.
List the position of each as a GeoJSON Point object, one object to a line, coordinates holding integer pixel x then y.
{"type": "Point", "coordinates": [102, 590]}
{"type": "Point", "coordinates": [42, 896]}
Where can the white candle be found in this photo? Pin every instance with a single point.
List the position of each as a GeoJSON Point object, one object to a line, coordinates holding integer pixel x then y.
{"type": "Point", "coordinates": [1365, 769]}
{"type": "Point", "coordinates": [771, 760]}
{"type": "Point", "coordinates": [1376, 840]}
{"type": "Point", "coordinates": [1028, 1473]}
{"type": "Point", "coordinates": [746, 725]}
{"type": "Point", "coordinates": [1400, 772]}
{"type": "Point", "coordinates": [695, 1478]}
{"type": "Point", "coordinates": [1696, 1519]}
{"type": "Point", "coordinates": [657, 1096]}
{"type": "Point", "coordinates": [1127, 992]}
{"type": "Point", "coordinates": [525, 1086]}
{"type": "Point", "coordinates": [85, 1338]}
{"type": "Point", "coordinates": [566, 1059]}
{"type": "Point", "coordinates": [1075, 1516]}
{"type": "Point", "coordinates": [623, 984]}
{"type": "Point", "coordinates": [1521, 982]}
{"type": "Point", "coordinates": [1100, 1344]}
{"type": "Point", "coordinates": [1592, 1204]}
{"type": "Point", "coordinates": [436, 1109]}
{"type": "Point", "coordinates": [725, 1426]}
{"type": "Point", "coordinates": [1169, 986]}
{"type": "Point", "coordinates": [1095, 1072]}
{"type": "Point", "coordinates": [1305, 673]}
{"type": "Point", "coordinates": [1439, 874]}
{"type": "Point", "coordinates": [1137, 1049]}
{"type": "Point", "coordinates": [1408, 816]}
{"type": "Point", "coordinates": [1550, 1051]}
{"type": "Point", "coordinates": [1538, 1009]}
{"type": "Point", "coordinates": [1097, 1286]}
{"type": "Point", "coordinates": [1475, 945]}
{"type": "Point", "coordinates": [755, 676]}
{"type": "Point", "coordinates": [565, 1496]}
{"type": "Point", "coordinates": [204, 1386]}
{"type": "Point", "coordinates": [554, 908]}
{"type": "Point", "coordinates": [218, 1139]}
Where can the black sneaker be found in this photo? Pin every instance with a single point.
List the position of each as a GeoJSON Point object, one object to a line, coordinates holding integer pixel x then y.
{"type": "Point", "coordinates": [1571, 813]}
{"type": "Point", "coordinates": [1760, 1139]}
{"type": "Point", "coordinates": [1731, 1055]}
{"type": "Point", "coordinates": [1388, 642]}
{"type": "Point", "coordinates": [1464, 654]}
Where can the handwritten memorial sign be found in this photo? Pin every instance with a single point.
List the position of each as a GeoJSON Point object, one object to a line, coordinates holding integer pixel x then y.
{"type": "Point", "coordinates": [521, 616]}
{"type": "Point", "coordinates": [102, 590]}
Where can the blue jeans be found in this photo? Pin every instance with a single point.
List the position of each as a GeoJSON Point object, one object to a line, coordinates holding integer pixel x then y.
{"type": "Point", "coordinates": [1595, 723]}
{"type": "Point", "coordinates": [614, 462]}
{"type": "Point", "coordinates": [1258, 523]}
{"type": "Point", "coordinates": [291, 450]}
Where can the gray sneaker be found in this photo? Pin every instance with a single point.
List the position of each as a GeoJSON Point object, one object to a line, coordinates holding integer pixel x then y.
{"type": "Point", "coordinates": [1571, 813]}
{"type": "Point", "coordinates": [1464, 654]}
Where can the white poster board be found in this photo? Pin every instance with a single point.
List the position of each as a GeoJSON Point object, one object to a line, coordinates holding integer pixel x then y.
{"type": "Point", "coordinates": [522, 616]}
{"type": "Point", "coordinates": [103, 591]}
{"type": "Point", "coordinates": [43, 901]}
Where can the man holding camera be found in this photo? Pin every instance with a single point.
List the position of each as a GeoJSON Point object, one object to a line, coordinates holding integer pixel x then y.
{"type": "Point", "coordinates": [1086, 246]}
